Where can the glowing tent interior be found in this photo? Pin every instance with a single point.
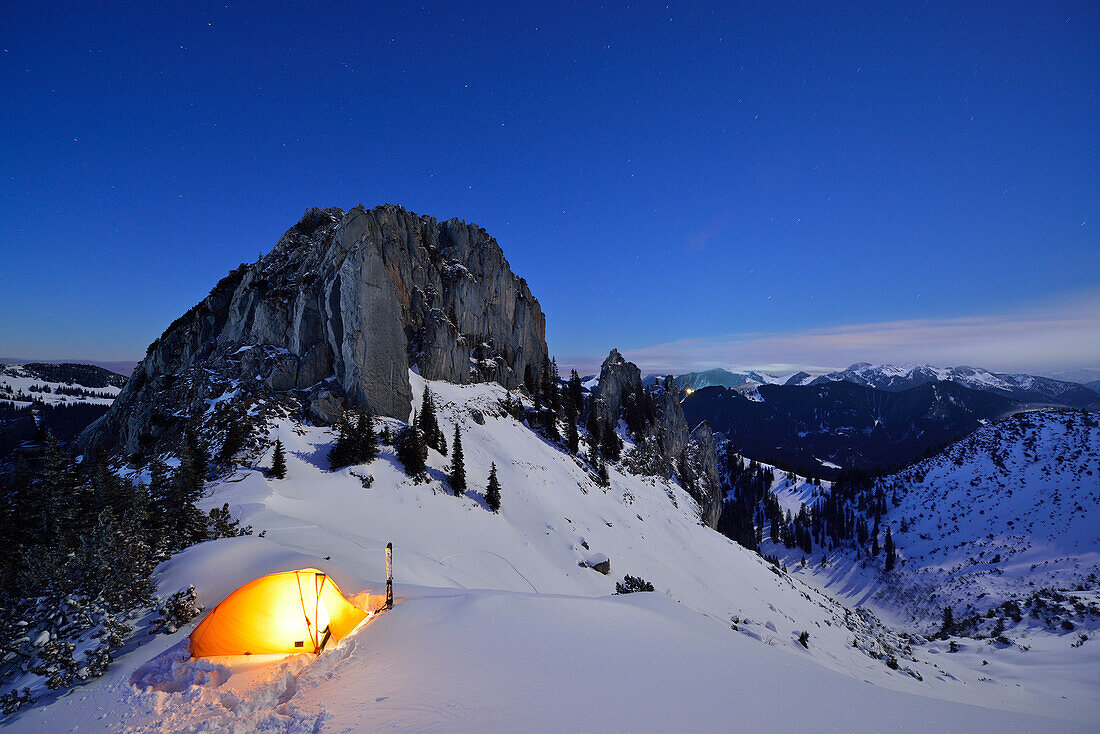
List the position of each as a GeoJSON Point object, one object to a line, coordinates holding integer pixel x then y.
{"type": "Point", "coordinates": [293, 611]}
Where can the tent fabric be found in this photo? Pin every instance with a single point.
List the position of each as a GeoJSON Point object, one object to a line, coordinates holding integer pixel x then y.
{"type": "Point", "coordinates": [282, 613]}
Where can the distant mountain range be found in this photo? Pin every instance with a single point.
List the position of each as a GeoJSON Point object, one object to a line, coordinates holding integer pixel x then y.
{"type": "Point", "coordinates": [818, 428]}
{"type": "Point", "coordinates": [1026, 389]}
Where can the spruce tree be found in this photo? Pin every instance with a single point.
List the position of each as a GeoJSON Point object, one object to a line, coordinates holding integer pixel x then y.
{"type": "Point", "coordinates": [572, 438]}
{"type": "Point", "coordinates": [236, 435]}
{"type": "Point", "coordinates": [160, 489]}
{"type": "Point", "coordinates": [428, 423]}
{"type": "Point", "coordinates": [610, 444]}
{"type": "Point", "coordinates": [602, 477]}
{"type": "Point", "coordinates": [364, 440]}
{"type": "Point", "coordinates": [891, 555]}
{"type": "Point", "coordinates": [184, 523]}
{"type": "Point", "coordinates": [278, 461]}
{"type": "Point", "coordinates": [341, 453]}
{"type": "Point", "coordinates": [948, 625]}
{"type": "Point", "coordinates": [492, 490]}
{"type": "Point", "coordinates": [412, 452]}
{"type": "Point", "coordinates": [458, 467]}
{"type": "Point", "coordinates": [573, 399]}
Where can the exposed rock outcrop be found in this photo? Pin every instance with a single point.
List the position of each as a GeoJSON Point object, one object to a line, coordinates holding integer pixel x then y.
{"type": "Point", "coordinates": [664, 441]}
{"type": "Point", "coordinates": [335, 315]}
{"type": "Point", "coordinates": [670, 429]}
{"type": "Point", "coordinates": [699, 473]}
{"type": "Point", "coordinates": [616, 377]}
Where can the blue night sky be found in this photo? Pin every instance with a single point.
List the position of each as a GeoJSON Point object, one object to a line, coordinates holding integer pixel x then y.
{"type": "Point", "coordinates": [762, 184]}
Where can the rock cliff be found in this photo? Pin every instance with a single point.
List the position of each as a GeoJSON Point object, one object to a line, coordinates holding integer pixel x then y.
{"type": "Point", "coordinates": [699, 473]}
{"type": "Point", "coordinates": [335, 315]}
{"type": "Point", "coordinates": [664, 441]}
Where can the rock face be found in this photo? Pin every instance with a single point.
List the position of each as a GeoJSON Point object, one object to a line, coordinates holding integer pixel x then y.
{"type": "Point", "coordinates": [616, 375]}
{"type": "Point", "coordinates": [670, 428]}
{"type": "Point", "coordinates": [665, 440]}
{"type": "Point", "coordinates": [699, 472]}
{"type": "Point", "coordinates": [336, 314]}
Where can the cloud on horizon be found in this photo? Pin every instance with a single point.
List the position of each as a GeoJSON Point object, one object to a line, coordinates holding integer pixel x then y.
{"type": "Point", "coordinates": [1038, 340]}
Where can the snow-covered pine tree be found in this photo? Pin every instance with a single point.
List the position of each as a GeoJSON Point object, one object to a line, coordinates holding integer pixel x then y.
{"type": "Point", "coordinates": [365, 441]}
{"type": "Point", "coordinates": [278, 461]}
{"type": "Point", "coordinates": [340, 454]}
{"type": "Point", "coordinates": [492, 490]}
{"type": "Point", "coordinates": [458, 466]}
{"type": "Point", "coordinates": [428, 423]}
{"type": "Point", "coordinates": [412, 452]}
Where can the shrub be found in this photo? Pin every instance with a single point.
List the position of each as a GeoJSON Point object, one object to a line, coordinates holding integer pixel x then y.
{"type": "Point", "coordinates": [631, 584]}
{"type": "Point", "coordinates": [176, 611]}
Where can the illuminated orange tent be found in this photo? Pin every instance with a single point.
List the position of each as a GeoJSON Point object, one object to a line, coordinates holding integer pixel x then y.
{"type": "Point", "coordinates": [294, 611]}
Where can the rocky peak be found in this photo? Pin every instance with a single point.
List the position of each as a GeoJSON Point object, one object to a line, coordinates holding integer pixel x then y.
{"type": "Point", "coordinates": [334, 316]}
{"type": "Point", "coordinates": [616, 376]}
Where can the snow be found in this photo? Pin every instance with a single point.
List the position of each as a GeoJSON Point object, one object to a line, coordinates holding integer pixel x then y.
{"type": "Point", "coordinates": [15, 377]}
{"type": "Point", "coordinates": [499, 628]}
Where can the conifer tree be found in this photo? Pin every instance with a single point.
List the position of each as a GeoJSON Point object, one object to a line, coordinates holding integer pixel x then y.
{"type": "Point", "coordinates": [458, 467]}
{"type": "Point", "coordinates": [278, 461]}
{"type": "Point", "coordinates": [184, 523]}
{"type": "Point", "coordinates": [236, 435]}
{"type": "Point", "coordinates": [492, 490]}
{"type": "Point", "coordinates": [573, 399]}
{"type": "Point", "coordinates": [428, 423]}
{"type": "Point", "coordinates": [340, 455]}
{"type": "Point", "coordinates": [610, 445]}
{"type": "Point", "coordinates": [891, 554]}
{"type": "Point", "coordinates": [602, 477]}
{"type": "Point", "coordinates": [948, 625]}
{"type": "Point", "coordinates": [593, 454]}
{"type": "Point", "coordinates": [572, 438]}
{"type": "Point", "coordinates": [365, 440]}
{"type": "Point", "coordinates": [160, 488]}
{"type": "Point", "coordinates": [593, 426]}
{"type": "Point", "coordinates": [412, 452]}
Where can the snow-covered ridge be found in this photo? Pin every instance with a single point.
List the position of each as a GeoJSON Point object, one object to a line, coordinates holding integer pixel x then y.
{"type": "Point", "coordinates": [502, 624]}
{"type": "Point", "coordinates": [1023, 387]}
{"type": "Point", "coordinates": [1000, 526]}
{"type": "Point", "coordinates": [53, 384]}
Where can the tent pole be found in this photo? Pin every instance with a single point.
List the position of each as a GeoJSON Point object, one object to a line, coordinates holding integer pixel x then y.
{"type": "Point", "coordinates": [389, 575]}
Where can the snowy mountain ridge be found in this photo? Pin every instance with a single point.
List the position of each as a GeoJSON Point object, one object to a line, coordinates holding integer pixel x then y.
{"type": "Point", "coordinates": [511, 604]}
{"type": "Point", "coordinates": [1023, 387]}
{"type": "Point", "coordinates": [1005, 515]}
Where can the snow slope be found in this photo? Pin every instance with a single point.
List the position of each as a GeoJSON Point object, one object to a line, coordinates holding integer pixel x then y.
{"type": "Point", "coordinates": [500, 625]}
{"type": "Point", "coordinates": [16, 382]}
{"type": "Point", "coordinates": [1004, 515]}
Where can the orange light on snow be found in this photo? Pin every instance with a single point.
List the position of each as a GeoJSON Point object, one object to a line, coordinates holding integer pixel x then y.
{"type": "Point", "coordinates": [281, 613]}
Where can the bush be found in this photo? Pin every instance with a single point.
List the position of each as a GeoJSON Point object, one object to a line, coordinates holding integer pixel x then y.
{"type": "Point", "coordinates": [176, 611]}
{"type": "Point", "coordinates": [804, 639]}
{"type": "Point", "coordinates": [631, 584]}
{"type": "Point", "coordinates": [13, 700]}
